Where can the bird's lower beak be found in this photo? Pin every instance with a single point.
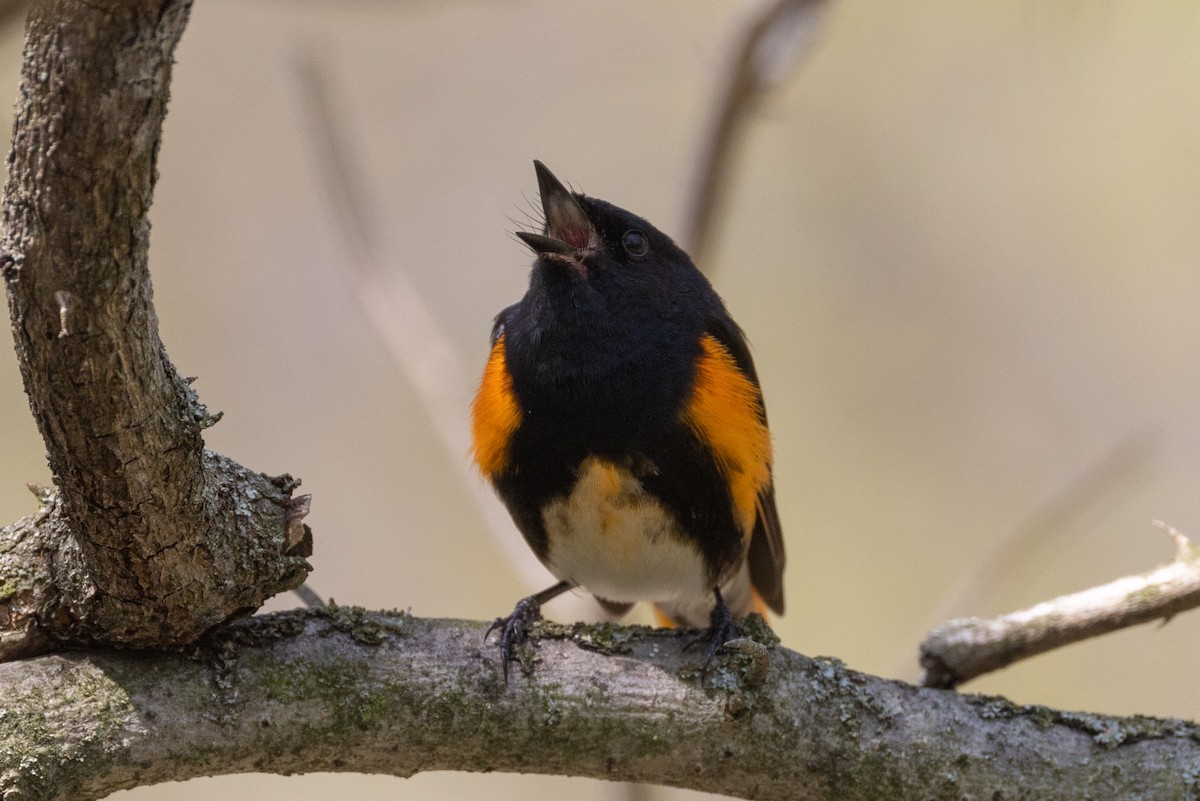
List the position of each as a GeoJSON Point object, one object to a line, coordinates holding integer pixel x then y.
{"type": "Point", "coordinates": [545, 244]}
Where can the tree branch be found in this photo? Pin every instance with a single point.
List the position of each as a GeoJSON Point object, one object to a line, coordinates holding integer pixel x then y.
{"type": "Point", "coordinates": [151, 540]}
{"type": "Point", "coordinates": [964, 649]}
{"type": "Point", "coordinates": [770, 42]}
{"type": "Point", "coordinates": [1007, 553]}
{"type": "Point", "coordinates": [348, 690]}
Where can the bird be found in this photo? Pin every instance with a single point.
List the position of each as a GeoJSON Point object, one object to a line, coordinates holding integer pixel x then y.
{"type": "Point", "coordinates": [621, 422]}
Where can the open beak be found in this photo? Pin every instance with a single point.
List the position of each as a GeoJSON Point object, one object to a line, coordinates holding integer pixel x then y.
{"type": "Point", "coordinates": [568, 230]}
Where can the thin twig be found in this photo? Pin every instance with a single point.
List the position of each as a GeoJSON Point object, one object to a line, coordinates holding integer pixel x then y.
{"type": "Point", "coordinates": [778, 33]}
{"type": "Point", "coordinates": [13, 12]}
{"type": "Point", "coordinates": [964, 649]}
{"type": "Point", "coordinates": [1106, 478]}
{"type": "Point", "coordinates": [309, 596]}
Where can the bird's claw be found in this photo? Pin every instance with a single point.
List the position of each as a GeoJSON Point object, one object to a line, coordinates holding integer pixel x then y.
{"type": "Point", "coordinates": [721, 629]}
{"type": "Point", "coordinates": [514, 629]}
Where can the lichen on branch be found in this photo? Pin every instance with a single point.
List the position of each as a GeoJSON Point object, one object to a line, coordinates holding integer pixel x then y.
{"type": "Point", "coordinates": [343, 689]}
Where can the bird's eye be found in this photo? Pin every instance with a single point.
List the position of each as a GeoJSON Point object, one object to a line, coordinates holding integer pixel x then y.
{"type": "Point", "coordinates": [635, 242]}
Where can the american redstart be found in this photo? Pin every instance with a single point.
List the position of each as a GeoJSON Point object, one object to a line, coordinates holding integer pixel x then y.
{"type": "Point", "coordinates": [621, 422]}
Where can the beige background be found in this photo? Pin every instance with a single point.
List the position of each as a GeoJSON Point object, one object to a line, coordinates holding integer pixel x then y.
{"type": "Point", "coordinates": [962, 239]}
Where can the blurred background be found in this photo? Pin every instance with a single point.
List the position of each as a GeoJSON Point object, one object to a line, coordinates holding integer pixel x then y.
{"type": "Point", "coordinates": [962, 239]}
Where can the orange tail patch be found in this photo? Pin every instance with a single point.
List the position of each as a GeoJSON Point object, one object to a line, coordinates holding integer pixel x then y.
{"type": "Point", "coordinates": [664, 621]}
{"type": "Point", "coordinates": [759, 605]}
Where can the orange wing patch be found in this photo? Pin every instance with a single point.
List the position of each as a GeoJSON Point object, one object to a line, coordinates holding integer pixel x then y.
{"type": "Point", "coordinates": [495, 414]}
{"type": "Point", "coordinates": [725, 412]}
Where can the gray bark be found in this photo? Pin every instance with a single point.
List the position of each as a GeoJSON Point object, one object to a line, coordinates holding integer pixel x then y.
{"type": "Point", "coordinates": [347, 690]}
{"type": "Point", "coordinates": [963, 649]}
{"type": "Point", "coordinates": [150, 540]}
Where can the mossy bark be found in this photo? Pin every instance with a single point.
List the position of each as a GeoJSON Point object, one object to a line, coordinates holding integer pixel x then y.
{"type": "Point", "coordinates": [348, 690]}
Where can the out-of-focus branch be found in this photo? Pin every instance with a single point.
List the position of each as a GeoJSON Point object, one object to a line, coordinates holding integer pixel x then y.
{"type": "Point", "coordinates": [12, 12]}
{"type": "Point", "coordinates": [399, 316]}
{"type": "Point", "coordinates": [778, 33]}
{"type": "Point", "coordinates": [964, 649]}
{"type": "Point", "coordinates": [347, 690]}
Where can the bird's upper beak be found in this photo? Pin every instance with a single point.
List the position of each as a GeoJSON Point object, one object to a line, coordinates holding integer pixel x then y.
{"type": "Point", "coordinates": [568, 233]}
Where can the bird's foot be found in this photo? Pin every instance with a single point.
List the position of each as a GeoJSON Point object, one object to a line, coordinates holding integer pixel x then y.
{"type": "Point", "coordinates": [721, 629]}
{"type": "Point", "coordinates": [515, 628]}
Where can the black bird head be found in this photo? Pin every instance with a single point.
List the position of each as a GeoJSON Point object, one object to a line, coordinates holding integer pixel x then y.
{"type": "Point", "coordinates": [614, 309]}
{"type": "Point", "coordinates": [602, 254]}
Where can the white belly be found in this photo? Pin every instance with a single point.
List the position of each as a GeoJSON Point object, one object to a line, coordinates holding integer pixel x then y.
{"type": "Point", "coordinates": [616, 541]}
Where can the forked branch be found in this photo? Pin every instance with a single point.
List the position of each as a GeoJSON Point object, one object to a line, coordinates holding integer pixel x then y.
{"type": "Point", "coordinates": [150, 540]}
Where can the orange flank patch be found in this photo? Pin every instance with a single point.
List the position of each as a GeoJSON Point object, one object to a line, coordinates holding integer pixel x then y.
{"type": "Point", "coordinates": [495, 414]}
{"type": "Point", "coordinates": [725, 411]}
